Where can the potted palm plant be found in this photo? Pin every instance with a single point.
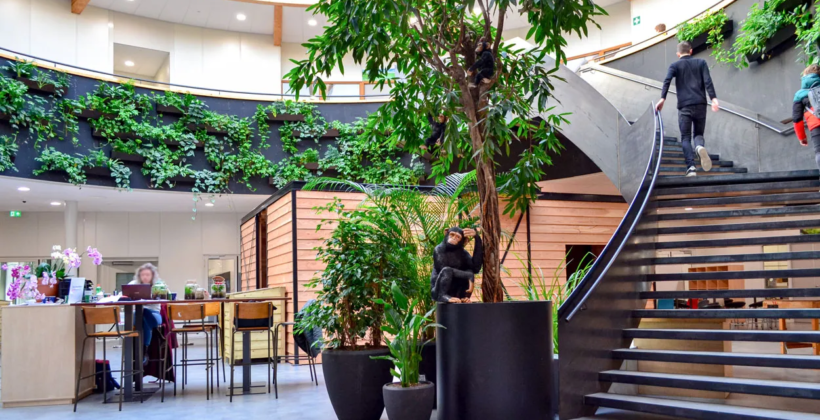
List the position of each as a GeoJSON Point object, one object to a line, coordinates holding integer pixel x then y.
{"type": "Point", "coordinates": [410, 398]}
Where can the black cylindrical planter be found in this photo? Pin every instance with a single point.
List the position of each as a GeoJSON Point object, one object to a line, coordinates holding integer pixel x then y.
{"type": "Point", "coordinates": [354, 382]}
{"type": "Point", "coordinates": [494, 361]}
{"type": "Point", "coordinates": [413, 403]}
{"type": "Point", "coordinates": [427, 367]}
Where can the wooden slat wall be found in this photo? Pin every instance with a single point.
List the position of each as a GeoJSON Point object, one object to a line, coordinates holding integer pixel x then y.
{"type": "Point", "coordinates": [280, 256]}
{"type": "Point", "coordinates": [556, 224]}
{"type": "Point", "coordinates": [247, 255]}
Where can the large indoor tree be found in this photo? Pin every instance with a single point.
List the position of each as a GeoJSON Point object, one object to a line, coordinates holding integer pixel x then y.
{"type": "Point", "coordinates": [431, 45]}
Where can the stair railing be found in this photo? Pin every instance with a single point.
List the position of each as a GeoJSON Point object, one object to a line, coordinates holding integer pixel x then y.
{"type": "Point", "coordinates": [601, 306]}
{"type": "Point", "coordinates": [620, 238]}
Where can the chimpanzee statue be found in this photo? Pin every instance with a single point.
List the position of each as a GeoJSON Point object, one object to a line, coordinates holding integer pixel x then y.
{"type": "Point", "coordinates": [454, 269]}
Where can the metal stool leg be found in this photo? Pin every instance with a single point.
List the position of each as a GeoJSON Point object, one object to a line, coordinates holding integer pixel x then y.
{"type": "Point", "coordinates": [105, 378]}
{"type": "Point", "coordinates": [122, 373]}
{"type": "Point", "coordinates": [276, 361]}
{"type": "Point", "coordinates": [80, 376]}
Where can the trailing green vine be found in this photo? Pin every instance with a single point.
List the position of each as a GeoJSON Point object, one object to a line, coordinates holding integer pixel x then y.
{"type": "Point", "coordinates": [8, 149]}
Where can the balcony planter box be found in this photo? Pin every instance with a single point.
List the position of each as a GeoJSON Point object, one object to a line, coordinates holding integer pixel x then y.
{"type": "Point", "coordinates": [789, 5]}
{"type": "Point", "coordinates": [126, 157]}
{"type": "Point", "coordinates": [49, 88]}
{"type": "Point", "coordinates": [285, 117]}
{"type": "Point", "coordinates": [176, 143]}
{"type": "Point", "coordinates": [123, 136]}
{"type": "Point", "coordinates": [207, 127]}
{"type": "Point", "coordinates": [92, 114]}
{"type": "Point", "coordinates": [98, 171]}
{"type": "Point", "coordinates": [163, 109]}
{"type": "Point", "coordinates": [5, 117]}
{"type": "Point", "coordinates": [311, 166]}
{"type": "Point", "coordinates": [774, 45]}
{"type": "Point", "coordinates": [328, 134]}
{"type": "Point", "coordinates": [494, 360]}
{"type": "Point", "coordinates": [699, 42]}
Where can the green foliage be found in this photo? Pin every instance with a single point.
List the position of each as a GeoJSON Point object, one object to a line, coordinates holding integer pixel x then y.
{"type": "Point", "coordinates": [8, 149]}
{"type": "Point", "coordinates": [406, 330]}
{"type": "Point", "coordinates": [537, 288]}
{"type": "Point", "coordinates": [761, 24]}
{"type": "Point", "coordinates": [711, 23]}
{"type": "Point", "coordinates": [52, 160]}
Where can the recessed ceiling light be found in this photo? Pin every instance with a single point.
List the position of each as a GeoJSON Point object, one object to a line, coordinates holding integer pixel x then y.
{"type": "Point", "coordinates": [688, 209]}
{"type": "Point", "coordinates": [56, 203]}
{"type": "Point", "coordinates": [413, 20]}
{"type": "Point", "coordinates": [129, 63]}
{"type": "Point", "coordinates": [209, 204]}
{"type": "Point", "coordinates": [312, 22]}
{"type": "Point", "coordinates": [241, 16]}
{"type": "Point", "coordinates": [477, 10]}
{"type": "Point", "coordinates": [110, 24]}
{"type": "Point", "coordinates": [23, 189]}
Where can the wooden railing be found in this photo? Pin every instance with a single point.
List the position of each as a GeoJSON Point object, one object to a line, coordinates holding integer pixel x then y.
{"type": "Point", "coordinates": [599, 53]}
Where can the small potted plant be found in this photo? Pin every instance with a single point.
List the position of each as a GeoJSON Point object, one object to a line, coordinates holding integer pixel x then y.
{"type": "Point", "coordinates": [408, 399]}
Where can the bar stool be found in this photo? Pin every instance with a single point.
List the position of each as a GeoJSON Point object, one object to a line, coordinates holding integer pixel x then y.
{"type": "Point", "coordinates": [295, 358]}
{"type": "Point", "coordinates": [104, 316]}
{"type": "Point", "coordinates": [189, 313]}
{"type": "Point", "coordinates": [215, 309]}
{"type": "Point", "coordinates": [249, 317]}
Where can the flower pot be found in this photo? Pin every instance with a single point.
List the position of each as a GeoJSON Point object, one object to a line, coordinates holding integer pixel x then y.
{"type": "Point", "coordinates": [412, 403]}
{"type": "Point", "coordinates": [164, 109]}
{"type": "Point", "coordinates": [699, 42]}
{"type": "Point", "coordinates": [354, 382]}
{"type": "Point", "coordinates": [47, 290]}
{"type": "Point", "coordinates": [779, 42]}
{"type": "Point", "coordinates": [285, 117]}
{"type": "Point", "coordinates": [126, 157]}
{"type": "Point", "coordinates": [494, 361]}
{"type": "Point", "coordinates": [35, 85]}
{"type": "Point", "coordinates": [311, 166]}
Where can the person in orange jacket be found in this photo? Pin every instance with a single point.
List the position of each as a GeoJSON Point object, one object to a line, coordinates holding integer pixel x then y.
{"type": "Point", "coordinates": [802, 112]}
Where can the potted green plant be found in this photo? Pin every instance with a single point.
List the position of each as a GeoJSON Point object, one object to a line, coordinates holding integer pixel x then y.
{"type": "Point", "coordinates": [310, 159]}
{"type": "Point", "coordinates": [410, 398]}
{"type": "Point", "coordinates": [358, 261]}
{"type": "Point", "coordinates": [710, 29]}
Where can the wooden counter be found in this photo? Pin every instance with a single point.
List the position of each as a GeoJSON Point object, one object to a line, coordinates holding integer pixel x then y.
{"type": "Point", "coordinates": [684, 345]}
{"type": "Point", "coordinates": [41, 355]}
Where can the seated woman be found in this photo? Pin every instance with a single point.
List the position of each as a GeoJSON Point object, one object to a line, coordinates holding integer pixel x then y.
{"type": "Point", "coordinates": [147, 274]}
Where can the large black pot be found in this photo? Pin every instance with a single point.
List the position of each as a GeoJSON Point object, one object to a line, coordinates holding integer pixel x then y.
{"type": "Point", "coordinates": [427, 367]}
{"type": "Point", "coordinates": [494, 361]}
{"type": "Point", "coordinates": [413, 403]}
{"type": "Point", "coordinates": [354, 382]}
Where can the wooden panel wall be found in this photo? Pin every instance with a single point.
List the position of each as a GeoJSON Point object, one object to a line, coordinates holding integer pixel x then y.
{"type": "Point", "coordinates": [247, 254]}
{"type": "Point", "coordinates": [280, 256]}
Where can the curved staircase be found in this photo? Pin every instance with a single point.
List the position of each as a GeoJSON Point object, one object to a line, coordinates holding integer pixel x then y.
{"type": "Point", "coordinates": [711, 217]}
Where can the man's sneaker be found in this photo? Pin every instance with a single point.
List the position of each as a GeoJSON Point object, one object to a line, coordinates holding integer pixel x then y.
{"type": "Point", "coordinates": [705, 160]}
{"type": "Point", "coordinates": [692, 171]}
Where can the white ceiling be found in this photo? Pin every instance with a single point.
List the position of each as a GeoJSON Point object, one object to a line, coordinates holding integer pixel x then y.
{"type": "Point", "coordinates": [147, 62]}
{"type": "Point", "coordinates": [102, 199]}
{"type": "Point", "coordinates": [514, 20]}
{"type": "Point", "coordinates": [295, 26]}
{"type": "Point", "coordinates": [214, 14]}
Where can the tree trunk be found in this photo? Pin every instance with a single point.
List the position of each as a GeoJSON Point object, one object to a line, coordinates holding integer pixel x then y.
{"type": "Point", "coordinates": [491, 290]}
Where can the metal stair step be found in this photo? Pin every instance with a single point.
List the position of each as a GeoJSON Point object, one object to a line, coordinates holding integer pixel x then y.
{"type": "Point", "coordinates": [682, 162]}
{"type": "Point", "coordinates": [717, 189]}
{"type": "Point", "coordinates": [811, 174]}
{"type": "Point", "coordinates": [788, 361]}
{"type": "Point", "coordinates": [733, 227]}
{"type": "Point", "coordinates": [732, 293]}
{"type": "Point", "coordinates": [691, 409]}
{"type": "Point", "coordinates": [665, 169]}
{"type": "Point", "coordinates": [722, 214]}
{"type": "Point", "coordinates": [720, 243]}
{"type": "Point", "coordinates": [785, 198]}
{"type": "Point", "coordinates": [710, 259]}
{"type": "Point", "coordinates": [678, 154]}
{"type": "Point", "coordinates": [772, 336]}
{"type": "Point", "coordinates": [726, 313]}
{"type": "Point", "coordinates": [735, 275]}
{"type": "Point", "coordinates": [715, 383]}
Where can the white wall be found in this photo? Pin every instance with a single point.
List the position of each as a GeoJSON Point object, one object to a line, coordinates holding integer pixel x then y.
{"type": "Point", "coordinates": [199, 57]}
{"type": "Point", "coordinates": [178, 243]}
{"type": "Point", "coordinates": [668, 12]}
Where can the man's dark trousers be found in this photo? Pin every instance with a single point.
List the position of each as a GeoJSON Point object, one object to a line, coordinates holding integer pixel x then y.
{"type": "Point", "coordinates": [692, 120]}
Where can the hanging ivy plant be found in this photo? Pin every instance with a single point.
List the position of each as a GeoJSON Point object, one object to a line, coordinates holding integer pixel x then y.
{"type": "Point", "coordinates": [711, 24]}
{"type": "Point", "coordinates": [8, 149]}
{"type": "Point", "coordinates": [73, 166]}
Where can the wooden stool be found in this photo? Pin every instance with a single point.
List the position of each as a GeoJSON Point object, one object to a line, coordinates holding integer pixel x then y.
{"type": "Point", "coordinates": [105, 316]}
{"type": "Point", "coordinates": [189, 313]}
{"type": "Point", "coordinates": [255, 311]}
{"type": "Point", "coordinates": [215, 309]}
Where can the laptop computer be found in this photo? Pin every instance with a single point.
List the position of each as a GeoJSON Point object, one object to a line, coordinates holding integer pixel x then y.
{"type": "Point", "coordinates": [137, 291]}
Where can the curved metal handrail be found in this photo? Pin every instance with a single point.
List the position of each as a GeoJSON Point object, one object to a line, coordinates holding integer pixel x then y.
{"type": "Point", "coordinates": [602, 69]}
{"type": "Point", "coordinates": [47, 63]}
{"type": "Point", "coordinates": [636, 209]}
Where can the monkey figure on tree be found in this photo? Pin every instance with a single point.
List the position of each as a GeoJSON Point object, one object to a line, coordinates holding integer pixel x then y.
{"type": "Point", "coordinates": [484, 67]}
{"type": "Point", "coordinates": [438, 125]}
{"type": "Point", "coordinates": [454, 269]}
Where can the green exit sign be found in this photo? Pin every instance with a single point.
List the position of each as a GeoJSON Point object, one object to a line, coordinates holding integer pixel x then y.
{"type": "Point", "coordinates": [636, 21]}
{"type": "Point", "coordinates": [15, 213]}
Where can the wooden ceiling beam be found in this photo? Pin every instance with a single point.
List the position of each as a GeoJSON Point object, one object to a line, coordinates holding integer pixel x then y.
{"type": "Point", "coordinates": [77, 6]}
{"type": "Point", "coordinates": [277, 25]}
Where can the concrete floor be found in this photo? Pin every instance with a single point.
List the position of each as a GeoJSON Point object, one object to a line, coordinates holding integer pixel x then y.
{"type": "Point", "coordinates": [299, 399]}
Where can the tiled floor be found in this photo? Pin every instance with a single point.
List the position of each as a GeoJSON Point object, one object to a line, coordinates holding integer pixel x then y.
{"type": "Point", "coordinates": [299, 399]}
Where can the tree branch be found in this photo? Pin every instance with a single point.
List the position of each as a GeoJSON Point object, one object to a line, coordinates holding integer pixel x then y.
{"type": "Point", "coordinates": [487, 21]}
{"type": "Point", "coordinates": [499, 28]}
